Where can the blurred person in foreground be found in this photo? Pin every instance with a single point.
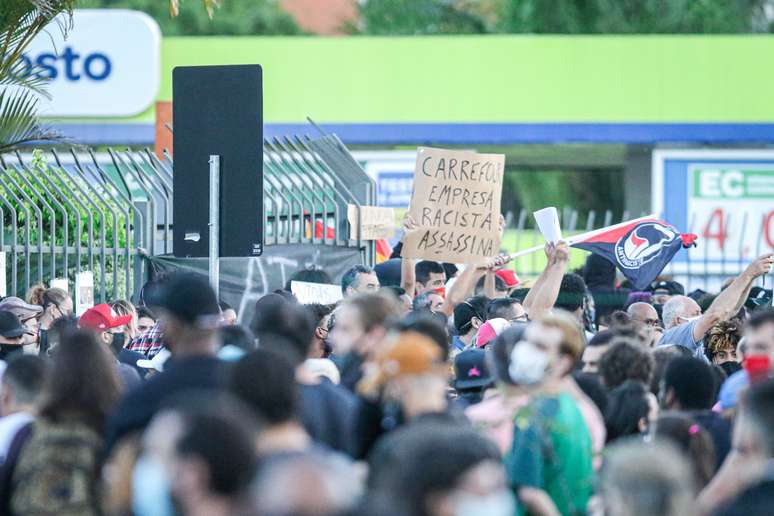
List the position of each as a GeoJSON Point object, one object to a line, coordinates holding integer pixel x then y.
{"type": "Point", "coordinates": [326, 410]}
{"type": "Point", "coordinates": [745, 484]}
{"type": "Point", "coordinates": [531, 362]}
{"type": "Point", "coordinates": [689, 387]}
{"type": "Point", "coordinates": [758, 346]}
{"type": "Point", "coordinates": [472, 378]}
{"type": "Point", "coordinates": [57, 471]}
{"type": "Point", "coordinates": [429, 469]}
{"type": "Point", "coordinates": [359, 327]}
{"type": "Point", "coordinates": [191, 317]}
{"type": "Point", "coordinates": [228, 314]}
{"type": "Point", "coordinates": [687, 326]}
{"type": "Point", "coordinates": [306, 484]}
{"type": "Point", "coordinates": [20, 389]}
{"type": "Point", "coordinates": [197, 459]}
{"type": "Point", "coordinates": [407, 383]}
{"type": "Point", "coordinates": [641, 479]}
{"type": "Point", "coordinates": [692, 440]}
{"type": "Point", "coordinates": [265, 382]}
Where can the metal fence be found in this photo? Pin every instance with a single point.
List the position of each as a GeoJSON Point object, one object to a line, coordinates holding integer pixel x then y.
{"type": "Point", "coordinates": [74, 211]}
{"type": "Point", "coordinates": [723, 249]}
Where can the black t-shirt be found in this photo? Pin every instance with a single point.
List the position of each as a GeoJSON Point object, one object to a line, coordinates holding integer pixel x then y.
{"type": "Point", "coordinates": [327, 413]}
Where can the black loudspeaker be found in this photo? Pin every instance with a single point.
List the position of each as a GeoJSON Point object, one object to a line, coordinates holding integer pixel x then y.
{"type": "Point", "coordinates": [218, 110]}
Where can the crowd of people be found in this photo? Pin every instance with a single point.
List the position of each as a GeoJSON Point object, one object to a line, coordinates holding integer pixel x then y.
{"type": "Point", "coordinates": [429, 390]}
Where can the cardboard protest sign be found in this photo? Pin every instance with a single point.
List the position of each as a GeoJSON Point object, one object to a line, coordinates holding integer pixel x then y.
{"type": "Point", "coordinates": [309, 293]}
{"type": "Point", "coordinates": [456, 205]}
{"type": "Point", "coordinates": [377, 222]}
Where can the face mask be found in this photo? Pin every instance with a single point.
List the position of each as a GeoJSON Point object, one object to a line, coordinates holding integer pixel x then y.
{"type": "Point", "coordinates": [528, 364]}
{"type": "Point", "coordinates": [117, 344]}
{"type": "Point", "coordinates": [500, 503]}
{"type": "Point", "coordinates": [43, 341]}
{"type": "Point", "coordinates": [150, 489]}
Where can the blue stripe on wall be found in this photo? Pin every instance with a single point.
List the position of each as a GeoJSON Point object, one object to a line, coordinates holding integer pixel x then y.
{"type": "Point", "coordinates": [461, 134]}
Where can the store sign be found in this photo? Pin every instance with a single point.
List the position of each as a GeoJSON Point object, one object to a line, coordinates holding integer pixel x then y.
{"type": "Point", "coordinates": [108, 64]}
{"type": "Point", "coordinates": [725, 197]}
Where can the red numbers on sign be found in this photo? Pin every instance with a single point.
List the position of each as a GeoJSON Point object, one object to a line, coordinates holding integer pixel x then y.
{"type": "Point", "coordinates": [767, 229]}
{"type": "Point", "coordinates": [715, 229]}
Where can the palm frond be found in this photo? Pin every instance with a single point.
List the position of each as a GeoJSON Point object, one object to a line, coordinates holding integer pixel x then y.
{"type": "Point", "coordinates": [21, 75]}
{"type": "Point", "coordinates": [209, 5]}
{"type": "Point", "coordinates": [19, 123]}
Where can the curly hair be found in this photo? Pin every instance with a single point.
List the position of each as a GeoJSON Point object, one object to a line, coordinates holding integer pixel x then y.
{"type": "Point", "coordinates": [722, 336]}
{"type": "Point", "coordinates": [625, 360]}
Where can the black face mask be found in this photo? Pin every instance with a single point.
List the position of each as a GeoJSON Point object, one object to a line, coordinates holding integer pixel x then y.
{"type": "Point", "coordinates": [117, 344]}
{"type": "Point", "coordinates": [8, 350]}
{"type": "Point", "coordinates": [43, 341]}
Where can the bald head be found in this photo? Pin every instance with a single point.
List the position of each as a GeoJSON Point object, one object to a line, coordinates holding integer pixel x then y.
{"type": "Point", "coordinates": [678, 310]}
{"type": "Point", "coordinates": [643, 313]}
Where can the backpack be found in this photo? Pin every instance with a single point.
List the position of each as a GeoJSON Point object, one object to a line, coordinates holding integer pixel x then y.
{"type": "Point", "coordinates": [57, 472]}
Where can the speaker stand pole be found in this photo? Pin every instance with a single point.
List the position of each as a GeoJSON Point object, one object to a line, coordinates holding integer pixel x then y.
{"type": "Point", "coordinates": [214, 224]}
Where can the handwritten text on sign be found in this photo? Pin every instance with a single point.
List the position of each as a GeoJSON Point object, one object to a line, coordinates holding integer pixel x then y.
{"type": "Point", "coordinates": [456, 204]}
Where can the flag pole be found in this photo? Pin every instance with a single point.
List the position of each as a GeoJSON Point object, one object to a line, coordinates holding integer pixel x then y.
{"type": "Point", "coordinates": [583, 236]}
{"type": "Point", "coordinates": [524, 252]}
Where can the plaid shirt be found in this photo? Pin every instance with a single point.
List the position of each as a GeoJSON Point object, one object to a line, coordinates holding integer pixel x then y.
{"type": "Point", "coordinates": [149, 343]}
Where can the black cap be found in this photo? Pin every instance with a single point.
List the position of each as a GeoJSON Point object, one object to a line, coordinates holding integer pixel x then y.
{"type": "Point", "coordinates": [190, 298]}
{"type": "Point", "coordinates": [673, 288]}
{"type": "Point", "coordinates": [471, 371]}
{"type": "Point", "coordinates": [10, 327]}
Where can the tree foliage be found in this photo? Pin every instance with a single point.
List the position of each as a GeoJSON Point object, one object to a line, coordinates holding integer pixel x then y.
{"type": "Point", "coordinates": [20, 22]}
{"type": "Point", "coordinates": [233, 17]}
{"type": "Point", "coordinates": [413, 17]}
{"type": "Point", "coordinates": [564, 16]}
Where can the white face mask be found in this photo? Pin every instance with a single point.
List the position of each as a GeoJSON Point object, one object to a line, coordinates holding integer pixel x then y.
{"type": "Point", "coordinates": [528, 364]}
{"type": "Point", "coordinates": [499, 503]}
{"type": "Point", "coordinates": [151, 489]}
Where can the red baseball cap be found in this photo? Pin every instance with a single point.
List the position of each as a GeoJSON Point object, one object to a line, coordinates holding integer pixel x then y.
{"type": "Point", "coordinates": [509, 277]}
{"type": "Point", "coordinates": [102, 317]}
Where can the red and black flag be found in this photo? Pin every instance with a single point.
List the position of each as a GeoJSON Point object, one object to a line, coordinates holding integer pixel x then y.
{"type": "Point", "coordinates": [640, 248]}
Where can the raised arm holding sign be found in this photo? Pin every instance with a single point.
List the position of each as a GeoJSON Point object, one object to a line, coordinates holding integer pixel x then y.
{"type": "Point", "coordinates": [456, 206]}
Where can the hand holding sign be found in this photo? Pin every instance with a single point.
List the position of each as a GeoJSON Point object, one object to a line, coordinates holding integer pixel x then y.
{"type": "Point", "coordinates": [456, 205]}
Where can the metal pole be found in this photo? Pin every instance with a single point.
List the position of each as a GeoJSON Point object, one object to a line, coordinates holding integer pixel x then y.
{"type": "Point", "coordinates": [214, 222]}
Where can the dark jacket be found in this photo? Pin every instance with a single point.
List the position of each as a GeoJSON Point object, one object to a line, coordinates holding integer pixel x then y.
{"type": "Point", "coordinates": [135, 410]}
{"type": "Point", "coordinates": [755, 501]}
{"type": "Point", "coordinates": [328, 413]}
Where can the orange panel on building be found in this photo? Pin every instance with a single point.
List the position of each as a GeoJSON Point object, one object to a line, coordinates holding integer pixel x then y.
{"type": "Point", "coordinates": [326, 17]}
{"type": "Point", "coordinates": [163, 128]}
